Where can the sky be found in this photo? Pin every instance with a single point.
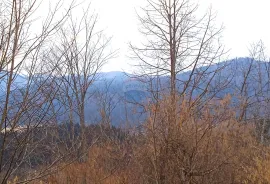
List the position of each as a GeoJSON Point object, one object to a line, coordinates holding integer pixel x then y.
{"type": "Point", "coordinates": [245, 22]}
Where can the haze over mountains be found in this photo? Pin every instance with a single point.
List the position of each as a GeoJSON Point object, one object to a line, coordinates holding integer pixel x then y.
{"type": "Point", "coordinates": [122, 90]}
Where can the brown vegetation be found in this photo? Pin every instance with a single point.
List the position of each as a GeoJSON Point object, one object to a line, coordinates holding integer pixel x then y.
{"type": "Point", "coordinates": [205, 146]}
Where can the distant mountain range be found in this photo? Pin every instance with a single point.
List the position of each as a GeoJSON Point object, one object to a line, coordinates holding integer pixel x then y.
{"type": "Point", "coordinates": [122, 88]}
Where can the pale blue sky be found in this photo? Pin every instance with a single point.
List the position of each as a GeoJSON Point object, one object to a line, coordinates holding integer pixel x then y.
{"type": "Point", "coordinates": [245, 21]}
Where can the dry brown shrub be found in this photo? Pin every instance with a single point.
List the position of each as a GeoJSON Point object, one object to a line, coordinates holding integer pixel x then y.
{"type": "Point", "coordinates": [206, 145]}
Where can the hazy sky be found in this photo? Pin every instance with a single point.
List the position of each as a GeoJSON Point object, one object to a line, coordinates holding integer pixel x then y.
{"type": "Point", "coordinates": [245, 21]}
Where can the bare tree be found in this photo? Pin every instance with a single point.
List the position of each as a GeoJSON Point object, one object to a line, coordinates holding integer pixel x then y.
{"type": "Point", "coordinates": [83, 51]}
{"type": "Point", "coordinates": [27, 87]}
{"type": "Point", "coordinates": [178, 41]}
{"type": "Point", "coordinates": [107, 98]}
{"type": "Point", "coordinates": [252, 88]}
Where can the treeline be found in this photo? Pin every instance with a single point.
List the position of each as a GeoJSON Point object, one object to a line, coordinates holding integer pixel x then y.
{"type": "Point", "coordinates": [190, 133]}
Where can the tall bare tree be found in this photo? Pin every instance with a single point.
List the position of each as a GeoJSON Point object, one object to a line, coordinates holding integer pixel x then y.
{"type": "Point", "coordinates": [85, 50]}
{"type": "Point", "coordinates": [178, 41]}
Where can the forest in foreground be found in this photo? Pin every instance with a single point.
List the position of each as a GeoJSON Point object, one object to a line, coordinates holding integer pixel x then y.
{"type": "Point", "coordinates": [186, 115]}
